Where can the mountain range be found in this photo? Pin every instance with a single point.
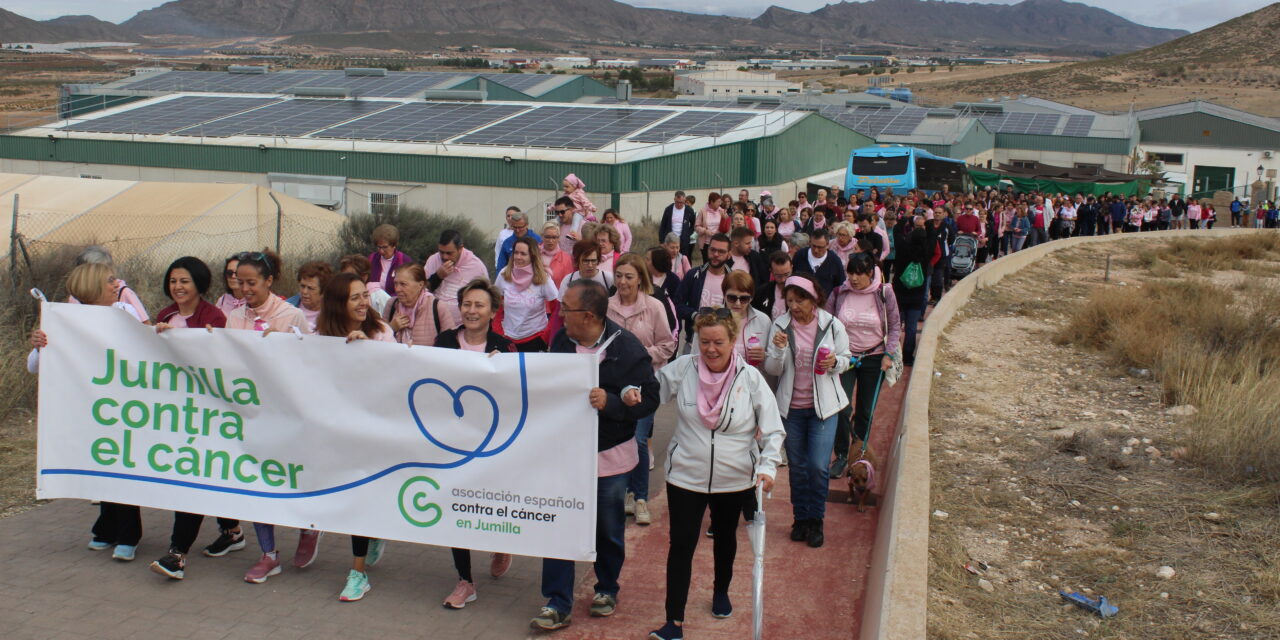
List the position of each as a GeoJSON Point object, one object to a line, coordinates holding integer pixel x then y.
{"type": "Point", "coordinates": [1030, 25]}
{"type": "Point", "coordinates": [16, 28]}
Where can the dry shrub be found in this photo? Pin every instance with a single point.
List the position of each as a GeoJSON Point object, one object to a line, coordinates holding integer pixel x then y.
{"type": "Point", "coordinates": [1216, 348]}
{"type": "Point", "coordinates": [1202, 256]}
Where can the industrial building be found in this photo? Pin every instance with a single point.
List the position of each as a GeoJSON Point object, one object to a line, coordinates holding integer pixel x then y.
{"type": "Point", "coordinates": [729, 84]}
{"type": "Point", "coordinates": [358, 140]}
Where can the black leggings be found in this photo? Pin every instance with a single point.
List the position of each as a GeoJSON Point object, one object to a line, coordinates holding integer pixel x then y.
{"type": "Point", "coordinates": [118, 524]}
{"type": "Point", "coordinates": [686, 509]}
{"type": "Point", "coordinates": [861, 380]}
{"type": "Point", "coordinates": [359, 546]}
{"type": "Point", "coordinates": [186, 526]}
{"type": "Point", "coordinates": [462, 562]}
{"type": "Point", "coordinates": [536, 345]}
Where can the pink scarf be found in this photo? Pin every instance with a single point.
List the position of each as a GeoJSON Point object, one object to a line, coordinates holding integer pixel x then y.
{"type": "Point", "coordinates": [406, 334]}
{"type": "Point", "coordinates": [713, 390]}
{"type": "Point", "coordinates": [871, 473]}
{"type": "Point", "coordinates": [575, 182]}
{"type": "Point", "coordinates": [548, 256]}
{"type": "Point", "coordinates": [522, 276]}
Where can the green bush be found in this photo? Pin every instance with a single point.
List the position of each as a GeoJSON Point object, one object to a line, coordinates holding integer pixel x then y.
{"type": "Point", "coordinates": [419, 233]}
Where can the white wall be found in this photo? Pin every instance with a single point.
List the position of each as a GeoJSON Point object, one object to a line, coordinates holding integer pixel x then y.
{"type": "Point", "coordinates": [1244, 161]}
{"type": "Point", "coordinates": [1063, 158]}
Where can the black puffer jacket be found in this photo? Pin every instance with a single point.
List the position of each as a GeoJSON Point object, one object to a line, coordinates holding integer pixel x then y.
{"type": "Point", "coordinates": [626, 364]}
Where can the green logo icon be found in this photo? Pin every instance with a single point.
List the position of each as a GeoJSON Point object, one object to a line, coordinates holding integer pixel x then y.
{"type": "Point", "coordinates": [417, 505]}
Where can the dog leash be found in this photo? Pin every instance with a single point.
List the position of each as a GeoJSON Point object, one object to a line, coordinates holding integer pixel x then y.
{"type": "Point", "coordinates": [874, 399]}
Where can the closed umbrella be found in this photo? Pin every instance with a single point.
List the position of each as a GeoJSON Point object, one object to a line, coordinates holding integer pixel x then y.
{"type": "Point", "coordinates": [755, 531]}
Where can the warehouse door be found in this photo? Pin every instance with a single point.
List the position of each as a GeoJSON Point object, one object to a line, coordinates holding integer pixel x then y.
{"type": "Point", "coordinates": [1210, 179]}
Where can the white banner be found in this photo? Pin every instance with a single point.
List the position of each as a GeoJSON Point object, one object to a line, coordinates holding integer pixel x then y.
{"type": "Point", "coordinates": [418, 444]}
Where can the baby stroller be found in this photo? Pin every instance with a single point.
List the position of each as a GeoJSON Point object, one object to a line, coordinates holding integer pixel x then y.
{"type": "Point", "coordinates": [964, 256]}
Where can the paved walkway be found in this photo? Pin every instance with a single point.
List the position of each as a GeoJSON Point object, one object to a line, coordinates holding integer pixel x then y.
{"type": "Point", "coordinates": [52, 588]}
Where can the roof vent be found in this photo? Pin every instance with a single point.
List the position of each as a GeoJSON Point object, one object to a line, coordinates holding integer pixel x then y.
{"type": "Point", "coordinates": [317, 92]}
{"type": "Point", "coordinates": [463, 95]}
{"type": "Point", "coordinates": [365, 71]}
{"type": "Point", "coordinates": [247, 69]}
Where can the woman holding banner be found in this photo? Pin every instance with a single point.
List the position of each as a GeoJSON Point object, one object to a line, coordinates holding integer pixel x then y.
{"type": "Point", "coordinates": [721, 403]}
{"type": "Point", "coordinates": [265, 311]}
{"type": "Point", "coordinates": [345, 313]}
{"type": "Point", "coordinates": [118, 525]}
{"type": "Point", "coordinates": [478, 302]}
{"type": "Point", "coordinates": [185, 283]}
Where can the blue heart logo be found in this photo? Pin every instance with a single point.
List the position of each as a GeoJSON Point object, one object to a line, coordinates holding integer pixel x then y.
{"type": "Point", "coordinates": [440, 431]}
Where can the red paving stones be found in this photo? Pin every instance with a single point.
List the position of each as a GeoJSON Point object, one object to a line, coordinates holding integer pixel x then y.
{"type": "Point", "coordinates": [811, 593]}
{"type": "Point", "coordinates": [53, 588]}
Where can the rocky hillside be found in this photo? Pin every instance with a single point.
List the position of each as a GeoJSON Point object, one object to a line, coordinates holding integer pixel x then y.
{"type": "Point", "coordinates": [91, 29]}
{"type": "Point", "coordinates": [1232, 63]}
{"type": "Point", "coordinates": [15, 28]}
{"type": "Point", "coordinates": [1031, 24]}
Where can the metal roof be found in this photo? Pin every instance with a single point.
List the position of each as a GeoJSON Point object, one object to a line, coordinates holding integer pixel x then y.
{"type": "Point", "coordinates": [1210, 108]}
{"type": "Point", "coordinates": [389, 84]}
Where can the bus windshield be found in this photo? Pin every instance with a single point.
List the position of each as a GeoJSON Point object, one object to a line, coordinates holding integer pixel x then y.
{"type": "Point", "coordinates": [873, 166]}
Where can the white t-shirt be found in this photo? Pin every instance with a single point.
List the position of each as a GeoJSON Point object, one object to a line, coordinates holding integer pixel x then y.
{"type": "Point", "coordinates": [600, 277]}
{"type": "Point", "coordinates": [815, 262]}
{"type": "Point", "coordinates": [524, 313]}
{"type": "Point", "coordinates": [677, 221]}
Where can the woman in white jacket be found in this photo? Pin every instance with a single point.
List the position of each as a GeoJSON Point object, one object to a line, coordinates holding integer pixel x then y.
{"type": "Point", "coordinates": [713, 460]}
{"type": "Point", "coordinates": [808, 349]}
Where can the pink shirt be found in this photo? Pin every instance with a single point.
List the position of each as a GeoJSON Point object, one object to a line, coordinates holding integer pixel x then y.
{"type": "Point", "coordinates": [861, 318]}
{"type": "Point", "coordinates": [274, 313]}
{"type": "Point", "coordinates": [467, 346]}
{"type": "Point", "coordinates": [617, 459]}
{"type": "Point", "coordinates": [624, 235]}
{"type": "Point", "coordinates": [802, 391]}
{"type": "Point", "coordinates": [178, 321]}
{"type": "Point", "coordinates": [681, 266]}
{"type": "Point", "coordinates": [1193, 211]}
{"type": "Point", "coordinates": [712, 295]}
{"type": "Point", "coordinates": [469, 268]}
{"type": "Point", "coordinates": [786, 229]}
{"type": "Point", "coordinates": [311, 317]}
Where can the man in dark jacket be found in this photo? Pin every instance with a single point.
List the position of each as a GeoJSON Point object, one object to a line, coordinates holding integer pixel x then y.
{"type": "Point", "coordinates": [743, 258]}
{"type": "Point", "coordinates": [695, 292]}
{"type": "Point", "coordinates": [769, 297]}
{"type": "Point", "coordinates": [817, 260]}
{"type": "Point", "coordinates": [1088, 215]}
{"type": "Point", "coordinates": [678, 218]}
{"type": "Point", "coordinates": [628, 391]}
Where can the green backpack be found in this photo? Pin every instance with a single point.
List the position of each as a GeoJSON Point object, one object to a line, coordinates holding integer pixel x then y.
{"type": "Point", "coordinates": [913, 276]}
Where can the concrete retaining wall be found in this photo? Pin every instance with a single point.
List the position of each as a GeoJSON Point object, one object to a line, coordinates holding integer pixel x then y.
{"type": "Point", "coordinates": [897, 585]}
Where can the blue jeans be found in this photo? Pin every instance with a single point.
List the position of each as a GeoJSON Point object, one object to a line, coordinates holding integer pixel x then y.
{"type": "Point", "coordinates": [557, 575]}
{"type": "Point", "coordinates": [809, 442]}
{"type": "Point", "coordinates": [638, 479]}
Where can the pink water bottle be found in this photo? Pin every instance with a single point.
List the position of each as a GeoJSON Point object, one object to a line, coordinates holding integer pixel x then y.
{"type": "Point", "coordinates": [823, 353]}
{"type": "Point", "coordinates": [752, 343]}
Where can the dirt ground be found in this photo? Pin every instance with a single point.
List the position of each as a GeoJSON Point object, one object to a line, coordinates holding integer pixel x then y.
{"type": "Point", "coordinates": [17, 463]}
{"type": "Point", "coordinates": [1056, 471]}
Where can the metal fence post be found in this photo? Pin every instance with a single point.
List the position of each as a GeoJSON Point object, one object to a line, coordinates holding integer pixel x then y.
{"type": "Point", "coordinates": [13, 244]}
{"type": "Point", "coordinates": [279, 218]}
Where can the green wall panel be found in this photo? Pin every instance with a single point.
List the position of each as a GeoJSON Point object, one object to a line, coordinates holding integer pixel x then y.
{"type": "Point", "coordinates": [1202, 129]}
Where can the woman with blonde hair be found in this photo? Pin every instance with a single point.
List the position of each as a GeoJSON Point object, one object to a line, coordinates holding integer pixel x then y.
{"type": "Point", "coordinates": [729, 438]}
{"type": "Point", "coordinates": [635, 309]}
{"type": "Point", "coordinates": [557, 261]}
{"type": "Point", "coordinates": [118, 525]}
{"type": "Point", "coordinates": [526, 289]}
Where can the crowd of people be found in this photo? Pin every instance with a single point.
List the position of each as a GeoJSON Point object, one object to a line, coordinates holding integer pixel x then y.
{"type": "Point", "coordinates": [771, 351]}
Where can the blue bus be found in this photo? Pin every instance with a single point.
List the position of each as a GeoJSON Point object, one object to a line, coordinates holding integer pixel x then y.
{"type": "Point", "coordinates": [903, 168]}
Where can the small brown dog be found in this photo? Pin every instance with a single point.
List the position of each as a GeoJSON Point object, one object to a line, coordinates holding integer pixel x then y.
{"type": "Point", "coordinates": [862, 479]}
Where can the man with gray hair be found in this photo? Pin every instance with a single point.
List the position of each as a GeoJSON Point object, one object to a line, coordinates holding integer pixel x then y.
{"type": "Point", "coordinates": [797, 242]}
{"type": "Point", "coordinates": [628, 391]}
{"type": "Point", "coordinates": [518, 222]}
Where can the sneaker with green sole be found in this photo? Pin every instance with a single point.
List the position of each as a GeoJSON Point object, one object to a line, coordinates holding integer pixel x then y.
{"type": "Point", "coordinates": [603, 605]}
{"type": "Point", "coordinates": [357, 586]}
{"type": "Point", "coordinates": [550, 619]}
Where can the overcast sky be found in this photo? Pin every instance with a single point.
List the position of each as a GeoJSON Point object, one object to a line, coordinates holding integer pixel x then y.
{"type": "Point", "coordinates": [1191, 15]}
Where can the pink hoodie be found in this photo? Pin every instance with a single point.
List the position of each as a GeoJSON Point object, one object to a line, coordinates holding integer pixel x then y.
{"type": "Point", "coordinates": [581, 203]}
{"type": "Point", "coordinates": [469, 268]}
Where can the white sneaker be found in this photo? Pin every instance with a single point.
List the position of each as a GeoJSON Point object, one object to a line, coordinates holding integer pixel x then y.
{"type": "Point", "coordinates": [629, 505]}
{"type": "Point", "coordinates": [642, 512]}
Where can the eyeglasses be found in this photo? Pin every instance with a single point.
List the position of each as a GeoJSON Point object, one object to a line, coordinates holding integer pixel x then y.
{"type": "Point", "coordinates": [720, 313]}
{"type": "Point", "coordinates": [737, 299]}
{"type": "Point", "coordinates": [229, 273]}
{"type": "Point", "coordinates": [589, 261]}
{"type": "Point", "coordinates": [568, 310]}
{"type": "Point", "coordinates": [560, 210]}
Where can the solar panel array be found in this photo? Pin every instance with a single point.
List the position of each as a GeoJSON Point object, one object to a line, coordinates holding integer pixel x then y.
{"type": "Point", "coordinates": [876, 121]}
{"type": "Point", "coordinates": [693, 123]}
{"type": "Point", "coordinates": [566, 127]}
{"type": "Point", "coordinates": [287, 118]}
{"type": "Point", "coordinates": [1078, 126]}
{"type": "Point", "coordinates": [1040, 124]}
{"type": "Point", "coordinates": [170, 115]}
{"type": "Point", "coordinates": [563, 127]}
{"type": "Point", "coordinates": [416, 122]}
{"type": "Point", "coordinates": [392, 85]}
